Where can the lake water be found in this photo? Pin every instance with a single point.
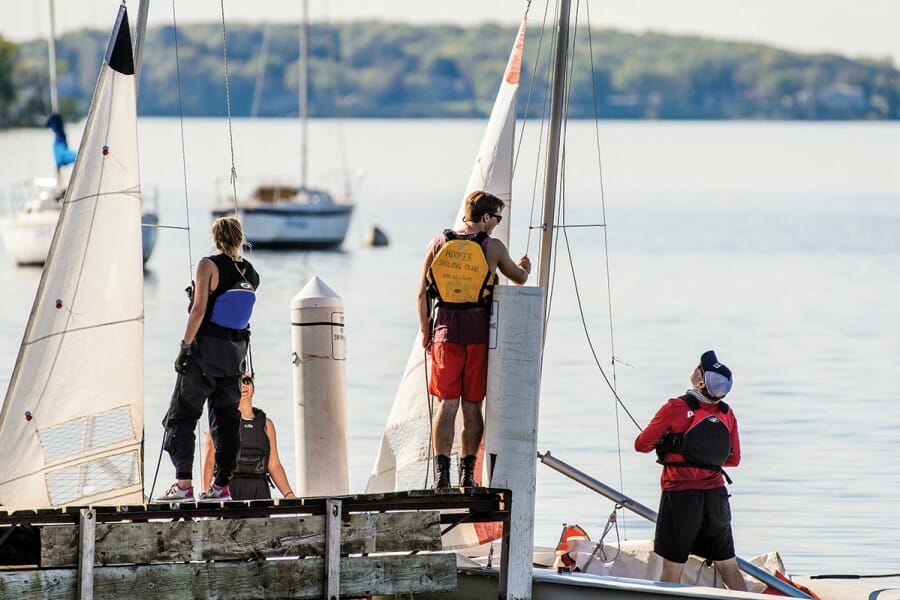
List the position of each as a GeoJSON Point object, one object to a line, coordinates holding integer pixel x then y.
{"type": "Point", "coordinates": [777, 244]}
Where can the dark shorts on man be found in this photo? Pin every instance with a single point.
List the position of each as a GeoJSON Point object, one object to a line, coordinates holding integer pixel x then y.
{"type": "Point", "coordinates": [694, 522]}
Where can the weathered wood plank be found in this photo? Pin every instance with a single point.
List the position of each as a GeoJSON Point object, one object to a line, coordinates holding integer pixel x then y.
{"type": "Point", "coordinates": [332, 549]}
{"type": "Point", "coordinates": [237, 539]}
{"type": "Point", "coordinates": [360, 576]}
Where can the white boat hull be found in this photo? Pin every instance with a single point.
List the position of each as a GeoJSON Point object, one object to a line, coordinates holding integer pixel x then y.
{"type": "Point", "coordinates": [27, 236]}
{"type": "Point", "coordinates": [293, 225]}
{"type": "Point", "coordinates": [482, 583]}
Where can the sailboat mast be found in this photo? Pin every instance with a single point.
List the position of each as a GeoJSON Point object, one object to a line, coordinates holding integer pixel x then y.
{"type": "Point", "coordinates": [51, 51]}
{"type": "Point", "coordinates": [140, 32]}
{"type": "Point", "coordinates": [557, 108]}
{"type": "Point", "coordinates": [304, 88]}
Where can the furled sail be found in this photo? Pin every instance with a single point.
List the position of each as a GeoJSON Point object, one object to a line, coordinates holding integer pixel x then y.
{"type": "Point", "coordinates": [404, 458]}
{"type": "Point", "coordinates": [71, 425]}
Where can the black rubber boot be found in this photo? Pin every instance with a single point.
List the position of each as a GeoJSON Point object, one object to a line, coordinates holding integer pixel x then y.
{"type": "Point", "coordinates": [441, 472]}
{"type": "Point", "coordinates": [467, 472]}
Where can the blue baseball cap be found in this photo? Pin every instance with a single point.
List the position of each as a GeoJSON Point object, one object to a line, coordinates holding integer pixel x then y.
{"type": "Point", "coordinates": [716, 376]}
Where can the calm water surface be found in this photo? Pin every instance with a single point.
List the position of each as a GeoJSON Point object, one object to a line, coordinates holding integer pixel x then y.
{"type": "Point", "coordinates": [776, 244]}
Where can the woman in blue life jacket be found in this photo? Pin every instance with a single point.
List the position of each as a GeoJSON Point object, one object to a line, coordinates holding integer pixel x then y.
{"type": "Point", "coordinates": [210, 363]}
{"type": "Point", "coordinates": [258, 459]}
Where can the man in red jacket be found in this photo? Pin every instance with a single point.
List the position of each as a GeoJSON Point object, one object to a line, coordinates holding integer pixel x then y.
{"type": "Point", "coordinates": [696, 435]}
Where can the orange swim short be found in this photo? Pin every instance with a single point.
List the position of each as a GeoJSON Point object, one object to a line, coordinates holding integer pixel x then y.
{"type": "Point", "coordinates": [458, 371]}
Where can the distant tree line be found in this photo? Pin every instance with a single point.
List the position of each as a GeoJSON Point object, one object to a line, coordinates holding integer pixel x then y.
{"type": "Point", "coordinates": [374, 69]}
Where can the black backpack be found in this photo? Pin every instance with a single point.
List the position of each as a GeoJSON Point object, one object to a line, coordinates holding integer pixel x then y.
{"type": "Point", "coordinates": [706, 443]}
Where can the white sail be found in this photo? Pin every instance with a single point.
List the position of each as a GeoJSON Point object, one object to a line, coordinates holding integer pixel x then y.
{"type": "Point", "coordinates": [71, 426]}
{"type": "Point", "coordinates": [404, 458]}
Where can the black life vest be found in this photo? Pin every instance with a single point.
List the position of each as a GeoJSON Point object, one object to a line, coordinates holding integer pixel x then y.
{"type": "Point", "coordinates": [253, 458]}
{"type": "Point", "coordinates": [706, 444]}
{"type": "Point", "coordinates": [459, 275]}
{"type": "Point", "coordinates": [230, 305]}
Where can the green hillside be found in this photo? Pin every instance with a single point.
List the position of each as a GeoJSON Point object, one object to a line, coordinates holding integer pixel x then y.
{"type": "Point", "coordinates": [374, 69]}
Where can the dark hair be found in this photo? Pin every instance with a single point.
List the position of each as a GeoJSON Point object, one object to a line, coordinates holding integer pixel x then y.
{"type": "Point", "coordinates": [480, 203]}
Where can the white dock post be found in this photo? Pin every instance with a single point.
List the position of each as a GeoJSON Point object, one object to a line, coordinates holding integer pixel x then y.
{"type": "Point", "coordinates": [511, 419]}
{"type": "Point", "coordinates": [320, 397]}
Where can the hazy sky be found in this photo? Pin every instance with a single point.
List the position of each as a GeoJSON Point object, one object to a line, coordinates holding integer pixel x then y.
{"type": "Point", "coordinates": [852, 27]}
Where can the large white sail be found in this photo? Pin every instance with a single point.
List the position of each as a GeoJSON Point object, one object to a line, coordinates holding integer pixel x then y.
{"type": "Point", "coordinates": [404, 458]}
{"type": "Point", "coordinates": [71, 426]}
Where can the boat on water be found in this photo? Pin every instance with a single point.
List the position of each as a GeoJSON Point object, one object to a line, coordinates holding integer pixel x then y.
{"type": "Point", "coordinates": [573, 567]}
{"type": "Point", "coordinates": [31, 210]}
{"type": "Point", "coordinates": [277, 214]}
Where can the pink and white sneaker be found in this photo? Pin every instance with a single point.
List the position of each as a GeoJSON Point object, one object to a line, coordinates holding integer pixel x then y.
{"type": "Point", "coordinates": [177, 494]}
{"type": "Point", "coordinates": [215, 494]}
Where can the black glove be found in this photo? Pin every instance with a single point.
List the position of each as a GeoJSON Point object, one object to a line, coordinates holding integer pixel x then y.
{"type": "Point", "coordinates": [182, 358]}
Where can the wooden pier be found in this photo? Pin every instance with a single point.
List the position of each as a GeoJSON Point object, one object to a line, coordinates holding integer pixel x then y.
{"type": "Point", "coordinates": [344, 547]}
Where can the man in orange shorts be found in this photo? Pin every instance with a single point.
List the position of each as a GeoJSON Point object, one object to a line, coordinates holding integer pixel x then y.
{"type": "Point", "coordinates": [457, 278]}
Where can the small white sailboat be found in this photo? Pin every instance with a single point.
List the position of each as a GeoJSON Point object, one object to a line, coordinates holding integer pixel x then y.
{"type": "Point", "coordinates": [280, 215]}
{"type": "Point", "coordinates": [73, 415]}
{"type": "Point", "coordinates": [32, 209]}
{"type": "Point", "coordinates": [404, 458]}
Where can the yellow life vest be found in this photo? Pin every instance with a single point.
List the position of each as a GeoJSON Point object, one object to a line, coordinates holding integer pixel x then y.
{"type": "Point", "coordinates": [459, 275]}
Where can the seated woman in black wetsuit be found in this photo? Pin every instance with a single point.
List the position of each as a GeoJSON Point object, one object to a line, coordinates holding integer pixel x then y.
{"type": "Point", "coordinates": [258, 459]}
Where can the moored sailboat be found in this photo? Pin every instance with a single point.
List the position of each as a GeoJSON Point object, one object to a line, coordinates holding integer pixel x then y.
{"type": "Point", "coordinates": [33, 211]}
{"type": "Point", "coordinates": [631, 570]}
{"type": "Point", "coordinates": [287, 215]}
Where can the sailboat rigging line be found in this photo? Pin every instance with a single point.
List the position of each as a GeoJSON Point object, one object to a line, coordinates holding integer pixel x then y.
{"type": "Point", "coordinates": [336, 104]}
{"type": "Point", "coordinates": [613, 387]}
{"type": "Point", "coordinates": [261, 73]}
{"type": "Point", "coordinates": [430, 454]}
{"type": "Point", "coordinates": [178, 227]}
{"type": "Point", "coordinates": [612, 345]}
{"type": "Point", "coordinates": [565, 226]}
{"type": "Point", "coordinates": [538, 173]}
{"type": "Point", "coordinates": [590, 342]}
{"type": "Point", "coordinates": [228, 108]}
{"type": "Point", "coordinates": [187, 216]}
{"type": "Point", "coordinates": [187, 212]}
{"type": "Point", "coordinates": [530, 88]}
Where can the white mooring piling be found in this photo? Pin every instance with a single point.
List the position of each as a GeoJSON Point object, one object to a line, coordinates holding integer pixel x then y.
{"type": "Point", "coordinates": [320, 398]}
{"type": "Point", "coordinates": [511, 418]}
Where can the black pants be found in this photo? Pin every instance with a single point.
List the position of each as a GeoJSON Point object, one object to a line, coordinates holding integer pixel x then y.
{"type": "Point", "coordinates": [250, 488]}
{"type": "Point", "coordinates": [192, 389]}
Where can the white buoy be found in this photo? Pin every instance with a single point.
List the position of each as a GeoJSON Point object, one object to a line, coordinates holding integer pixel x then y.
{"type": "Point", "coordinates": [320, 398]}
{"type": "Point", "coordinates": [511, 418]}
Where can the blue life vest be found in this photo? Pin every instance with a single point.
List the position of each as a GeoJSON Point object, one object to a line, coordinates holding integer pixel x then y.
{"type": "Point", "coordinates": [231, 304]}
{"type": "Point", "coordinates": [233, 308]}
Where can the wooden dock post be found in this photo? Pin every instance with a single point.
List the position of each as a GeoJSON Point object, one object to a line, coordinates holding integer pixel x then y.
{"type": "Point", "coordinates": [87, 536]}
{"type": "Point", "coordinates": [332, 548]}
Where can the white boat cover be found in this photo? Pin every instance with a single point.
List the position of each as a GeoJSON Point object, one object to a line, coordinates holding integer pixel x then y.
{"type": "Point", "coordinates": [71, 426]}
